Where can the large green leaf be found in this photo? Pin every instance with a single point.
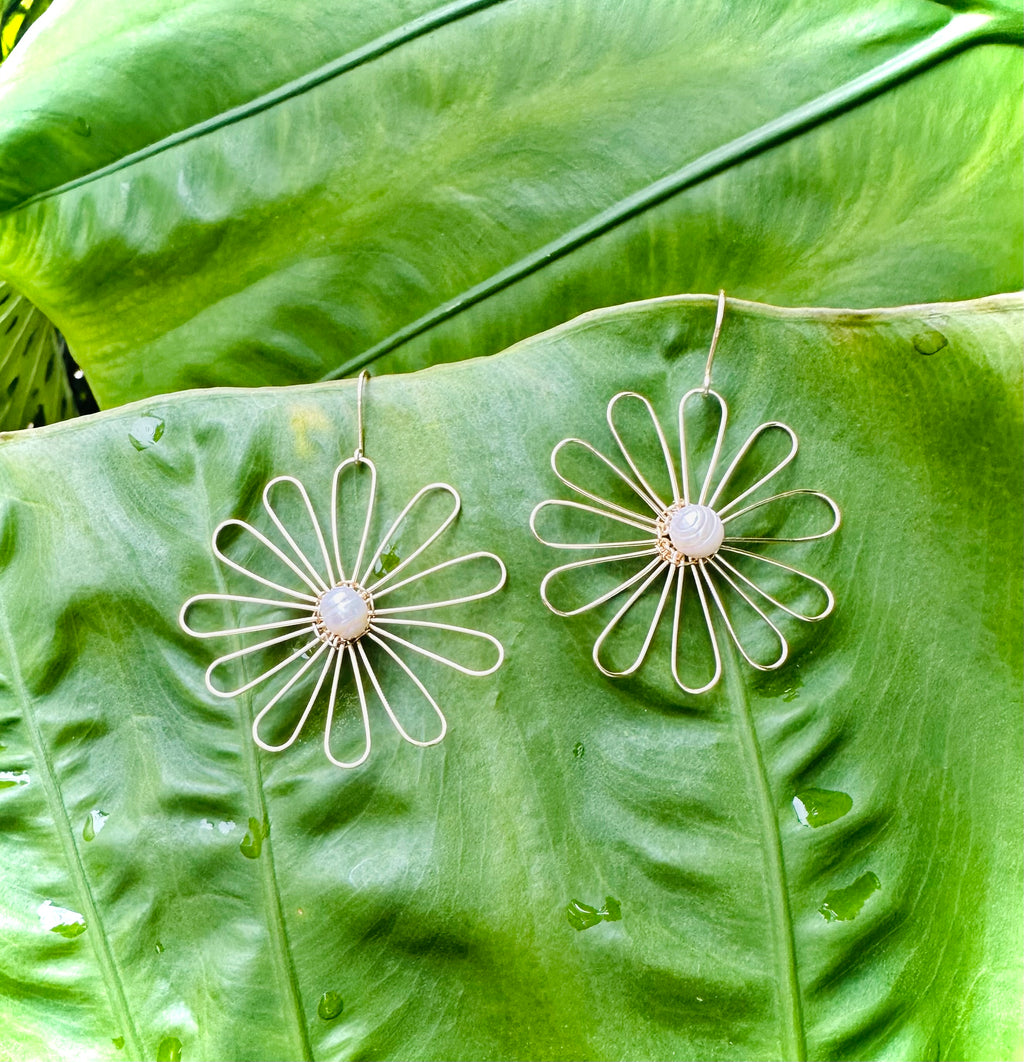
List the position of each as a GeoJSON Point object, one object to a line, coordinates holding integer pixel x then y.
{"type": "Point", "coordinates": [430, 889]}
{"type": "Point", "coordinates": [240, 191]}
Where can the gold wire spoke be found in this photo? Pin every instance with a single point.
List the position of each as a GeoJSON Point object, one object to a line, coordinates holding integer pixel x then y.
{"type": "Point", "coordinates": [272, 512]}
{"type": "Point", "coordinates": [281, 693]}
{"type": "Point", "coordinates": [248, 650]}
{"type": "Point", "coordinates": [682, 571]}
{"type": "Point", "coordinates": [231, 632]}
{"type": "Point", "coordinates": [829, 596]}
{"type": "Point", "coordinates": [652, 627]}
{"type": "Point", "coordinates": [363, 709]}
{"type": "Point", "coordinates": [355, 462]}
{"type": "Point", "coordinates": [580, 506]}
{"type": "Point", "coordinates": [387, 704]}
{"type": "Point", "coordinates": [465, 599]}
{"type": "Point", "coordinates": [737, 641]}
{"type": "Point", "coordinates": [392, 533]}
{"type": "Point", "coordinates": [836, 518]}
{"type": "Point", "coordinates": [380, 629]}
{"type": "Point", "coordinates": [652, 495]}
{"type": "Point", "coordinates": [590, 562]}
{"type": "Point", "coordinates": [263, 540]}
{"type": "Point", "coordinates": [610, 505]}
{"type": "Point", "coordinates": [761, 429]}
{"type": "Point", "coordinates": [702, 393]}
{"type": "Point", "coordinates": [241, 599]}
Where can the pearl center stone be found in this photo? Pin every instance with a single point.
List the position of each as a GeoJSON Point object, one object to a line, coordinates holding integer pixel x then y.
{"type": "Point", "coordinates": [345, 612]}
{"type": "Point", "coordinates": [696, 531]}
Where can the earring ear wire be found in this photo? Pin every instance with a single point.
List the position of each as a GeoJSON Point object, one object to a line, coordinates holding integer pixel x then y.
{"type": "Point", "coordinates": [719, 317]}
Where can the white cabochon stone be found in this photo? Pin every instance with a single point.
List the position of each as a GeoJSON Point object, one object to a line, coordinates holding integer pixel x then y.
{"type": "Point", "coordinates": [345, 612]}
{"type": "Point", "coordinates": [696, 531]}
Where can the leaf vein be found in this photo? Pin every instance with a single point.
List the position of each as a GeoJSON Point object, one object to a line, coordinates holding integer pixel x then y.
{"type": "Point", "coordinates": [959, 31]}
{"type": "Point", "coordinates": [387, 42]}
{"type": "Point", "coordinates": [65, 832]}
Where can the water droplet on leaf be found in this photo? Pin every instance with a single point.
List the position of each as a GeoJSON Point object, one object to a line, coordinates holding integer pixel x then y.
{"type": "Point", "coordinates": [145, 432]}
{"type": "Point", "coordinates": [169, 1050]}
{"type": "Point", "coordinates": [819, 807]}
{"type": "Point", "coordinates": [843, 904]}
{"type": "Point", "coordinates": [582, 916]}
{"type": "Point", "coordinates": [60, 920]}
{"type": "Point", "coordinates": [252, 842]}
{"type": "Point", "coordinates": [578, 750]}
{"type": "Point", "coordinates": [159, 948]}
{"type": "Point", "coordinates": [93, 824]}
{"type": "Point", "coordinates": [388, 562]}
{"type": "Point", "coordinates": [929, 341]}
{"type": "Point", "coordinates": [330, 1006]}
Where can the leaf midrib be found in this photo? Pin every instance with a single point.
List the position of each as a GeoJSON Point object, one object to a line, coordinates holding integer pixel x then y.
{"type": "Point", "coordinates": [272, 904]}
{"type": "Point", "coordinates": [375, 49]}
{"type": "Point", "coordinates": [794, 1041]}
{"type": "Point", "coordinates": [66, 834]}
{"type": "Point", "coordinates": [962, 29]}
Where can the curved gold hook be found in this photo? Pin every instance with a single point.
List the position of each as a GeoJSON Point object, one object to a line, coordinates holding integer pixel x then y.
{"type": "Point", "coordinates": [714, 342]}
{"type": "Point", "coordinates": [361, 386]}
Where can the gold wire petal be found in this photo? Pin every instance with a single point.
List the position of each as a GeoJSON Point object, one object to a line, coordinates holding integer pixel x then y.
{"type": "Point", "coordinates": [363, 709]}
{"type": "Point", "coordinates": [829, 596]}
{"type": "Point", "coordinates": [272, 512]}
{"type": "Point", "coordinates": [833, 527]}
{"type": "Point", "coordinates": [591, 562]}
{"type": "Point", "coordinates": [752, 438]}
{"type": "Point", "coordinates": [297, 729]}
{"type": "Point", "coordinates": [737, 641]}
{"type": "Point", "coordinates": [723, 413]}
{"type": "Point", "coordinates": [682, 572]}
{"type": "Point", "coordinates": [652, 494]}
{"type": "Point", "coordinates": [419, 685]}
{"type": "Point", "coordinates": [664, 566]}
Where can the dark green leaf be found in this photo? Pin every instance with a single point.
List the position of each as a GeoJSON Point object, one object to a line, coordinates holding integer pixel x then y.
{"type": "Point", "coordinates": [33, 381]}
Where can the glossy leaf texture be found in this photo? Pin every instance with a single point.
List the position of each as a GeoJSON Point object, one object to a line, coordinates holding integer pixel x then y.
{"type": "Point", "coordinates": [33, 380]}
{"type": "Point", "coordinates": [244, 193]}
{"type": "Point", "coordinates": [820, 862]}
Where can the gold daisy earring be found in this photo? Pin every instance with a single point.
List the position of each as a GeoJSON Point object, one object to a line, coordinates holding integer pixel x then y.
{"type": "Point", "coordinates": [335, 617]}
{"type": "Point", "coordinates": [694, 534]}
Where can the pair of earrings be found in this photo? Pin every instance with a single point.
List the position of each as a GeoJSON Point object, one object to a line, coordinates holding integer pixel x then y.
{"type": "Point", "coordinates": [337, 614]}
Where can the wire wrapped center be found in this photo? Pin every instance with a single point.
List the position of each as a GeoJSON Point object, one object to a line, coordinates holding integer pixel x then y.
{"type": "Point", "coordinates": [688, 533]}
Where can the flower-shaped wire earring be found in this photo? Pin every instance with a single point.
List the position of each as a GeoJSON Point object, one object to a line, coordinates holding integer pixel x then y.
{"type": "Point", "coordinates": [344, 619]}
{"type": "Point", "coordinates": [684, 539]}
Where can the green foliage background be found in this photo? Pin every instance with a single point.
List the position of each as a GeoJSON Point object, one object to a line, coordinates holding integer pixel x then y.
{"type": "Point", "coordinates": [250, 196]}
